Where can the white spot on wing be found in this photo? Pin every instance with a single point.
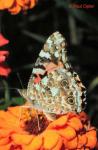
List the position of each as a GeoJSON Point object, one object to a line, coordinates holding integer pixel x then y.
{"type": "Point", "coordinates": [38, 71]}
{"type": "Point", "coordinates": [37, 86]}
{"type": "Point", "coordinates": [58, 41]}
{"type": "Point", "coordinates": [42, 90]}
{"type": "Point", "coordinates": [56, 54]}
{"type": "Point", "coordinates": [44, 80]}
{"type": "Point", "coordinates": [64, 57]}
{"type": "Point", "coordinates": [54, 91]}
{"type": "Point", "coordinates": [49, 41]}
{"type": "Point", "coordinates": [45, 54]}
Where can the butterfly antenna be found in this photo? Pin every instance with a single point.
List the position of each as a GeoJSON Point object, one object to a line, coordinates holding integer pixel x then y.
{"type": "Point", "coordinates": [18, 75]}
{"type": "Point", "coordinates": [1, 88]}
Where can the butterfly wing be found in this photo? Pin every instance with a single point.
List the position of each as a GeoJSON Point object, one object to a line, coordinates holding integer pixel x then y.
{"type": "Point", "coordinates": [23, 93]}
{"type": "Point", "coordinates": [53, 86]}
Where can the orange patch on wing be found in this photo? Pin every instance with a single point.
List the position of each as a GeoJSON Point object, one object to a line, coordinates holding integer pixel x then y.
{"type": "Point", "coordinates": [51, 66]}
{"type": "Point", "coordinates": [37, 79]}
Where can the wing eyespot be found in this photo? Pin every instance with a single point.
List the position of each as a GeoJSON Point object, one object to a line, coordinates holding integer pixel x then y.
{"type": "Point", "coordinates": [70, 100]}
{"type": "Point", "coordinates": [64, 83]}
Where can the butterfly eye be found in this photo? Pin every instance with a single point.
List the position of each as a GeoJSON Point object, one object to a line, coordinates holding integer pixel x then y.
{"type": "Point", "coordinates": [70, 100]}
{"type": "Point", "coordinates": [64, 83]}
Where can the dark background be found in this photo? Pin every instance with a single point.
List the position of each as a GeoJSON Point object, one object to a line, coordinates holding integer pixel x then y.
{"type": "Point", "coordinates": [28, 31]}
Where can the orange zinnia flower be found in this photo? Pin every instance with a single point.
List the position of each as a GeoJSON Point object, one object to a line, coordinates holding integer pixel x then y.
{"type": "Point", "coordinates": [32, 131]}
{"type": "Point", "coordinates": [15, 6]}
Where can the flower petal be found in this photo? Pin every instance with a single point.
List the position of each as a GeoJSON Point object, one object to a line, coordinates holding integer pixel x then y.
{"type": "Point", "coordinates": [4, 71]}
{"type": "Point", "coordinates": [61, 122]}
{"type": "Point", "coordinates": [72, 144]}
{"type": "Point", "coordinates": [15, 6]}
{"type": "Point", "coordinates": [58, 145]}
{"type": "Point", "coordinates": [68, 133]}
{"type": "Point", "coordinates": [3, 55]}
{"type": "Point", "coordinates": [6, 147]}
{"type": "Point", "coordinates": [82, 140]}
{"type": "Point", "coordinates": [4, 141]}
{"type": "Point", "coordinates": [51, 139]}
{"type": "Point", "coordinates": [3, 40]}
{"type": "Point", "coordinates": [36, 143]}
{"type": "Point", "coordinates": [11, 119]}
{"type": "Point", "coordinates": [92, 138]}
{"type": "Point", "coordinates": [22, 138]}
{"type": "Point", "coordinates": [15, 111]}
{"type": "Point", "coordinates": [1, 5]}
{"type": "Point", "coordinates": [32, 3]}
{"type": "Point", "coordinates": [20, 2]}
{"type": "Point", "coordinates": [12, 123]}
{"type": "Point", "coordinates": [15, 9]}
{"type": "Point", "coordinates": [75, 123]}
{"type": "Point", "coordinates": [4, 133]}
{"type": "Point", "coordinates": [2, 59]}
{"type": "Point", "coordinates": [8, 3]}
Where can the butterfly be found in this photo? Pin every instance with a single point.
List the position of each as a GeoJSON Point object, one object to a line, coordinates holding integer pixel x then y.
{"type": "Point", "coordinates": [54, 87]}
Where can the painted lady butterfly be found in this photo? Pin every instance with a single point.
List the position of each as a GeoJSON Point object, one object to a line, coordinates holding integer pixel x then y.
{"type": "Point", "coordinates": [53, 86]}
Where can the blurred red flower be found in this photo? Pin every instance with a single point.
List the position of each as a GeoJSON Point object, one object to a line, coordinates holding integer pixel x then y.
{"type": "Point", "coordinates": [3, 55]}
{"type": "Point", "coordinates": [4, 70]}
{"type": "Point", "coordinates": [3, 40]}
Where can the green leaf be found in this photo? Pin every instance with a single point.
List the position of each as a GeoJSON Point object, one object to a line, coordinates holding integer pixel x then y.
{"type": "Point", "coordinates": [6, 91]}
{"type": "Point", "coordinates": [17, 101]}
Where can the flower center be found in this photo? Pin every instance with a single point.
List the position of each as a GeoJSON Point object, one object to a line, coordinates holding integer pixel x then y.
{"type": "Point", "coordinates": [34, 122]}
